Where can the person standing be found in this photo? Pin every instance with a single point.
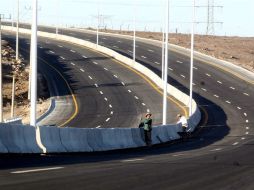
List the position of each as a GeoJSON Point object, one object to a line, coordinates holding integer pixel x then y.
{"type": "Point", "coordinates": [147, 125]}
{"type": "Point", "coordinates": [182, 119]}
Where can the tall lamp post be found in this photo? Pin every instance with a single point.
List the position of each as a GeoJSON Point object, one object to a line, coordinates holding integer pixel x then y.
{"type": "Point", "coordinates": [17, 32]}
{"type": "Point", "coordinates": [1, 83]}
{"type": "Point", "coordinates": [164, 120]}
{"type": "Point", "coordinates": [191, 59]}
{"type": "Point", "coordinates": [134, 31]}
{"type": "Point", "coordinates": [33, 52]}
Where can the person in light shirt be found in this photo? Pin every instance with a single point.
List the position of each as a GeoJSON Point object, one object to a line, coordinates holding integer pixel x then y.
{"type": "Point", "coordinates": [182, 119]}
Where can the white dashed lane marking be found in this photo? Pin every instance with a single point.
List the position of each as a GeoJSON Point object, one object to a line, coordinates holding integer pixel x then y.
{"type": "Point", "coordinates": [195, 68]}
{"type": "Point", "coordinates": [204, 89]}
{"type": "Point", "coordinates": [52, 52]}
{"type": "Point", "coordinates": [246, 94]}
{"type": "Point", "coordinates": [107, 119]}
{"type": "Point", "coordinates": [157, 63]}
{"type": "Point", "coordinates": [130, 51]}
{"type": "Point", "coordinates": [101, 92]}
{"type": "Point", "coordinates": [90, 77]}
{"type": "Point", "coordinates": [183, 76]}
{"type": "Point", "coordinates": [143, 56]}
{"type": "Point", "coordinates": [82, 70]}
{"type": "Point", "coordinates": [150, 50]}
{"type": "Point", "coordinates": [132, 160]}
{"type": "Point", "coordinates": [96, 85]}
{"type": "Point", "coordinates": [216, 149]}
{"type": "Point", "coordinates": [84, 56]}
{"type": "Point", "coordinates": [73, 64]}
{"type": "Point", "coordinates": [216, 95]}
{"type": "Point", "coordinates": [95, 63]}
{"type": "Point", "coordinates": [243, 138]}
{"type": "Point", "coordinates": [148, 110]}
{"type": "Point", "coordinates": [247, 121]}
{"type": "Point", "coordinates": [106, 99]}
{"type": "Point", "coordinates": [207, 74]}
{"type": "Point", "coordinates": [179, 61]}
{"type": "Point", "coordinates": [123, 83]}
{"type": "Point", "coordinates": [105, 69]}
{"type": "Point", "coordinates": [129, 91]}
{"type": "Point", "coordinates": [98, 127]}
{"type": "Point", "coordinates": [36, 170]}
{"type": "Point", "coordinates": [62, 57]}
{"type": "Point", "coordinates": [231, 87]}
{"type": "Point", "coordinates": [110, 105]}
{"type": "Point", "coordinates": [115, 46]}
{"type": "Point", "coordinates": [136, 97]}
{"type": "Point", "coordinates": [245, 114]}
{"type": "Point", "coordinates": [170, 69]}
{"type": "Point", "coordinates": [228, 102]}
{"type": "Point", "coordinates": [143, 104]}
{"type": "Point", "coordinates": [115, 76]}
{"type": "Point", "coordinates": [73, 51]}
{"type": "Point", "coordinates": [236, 143]}
{"type": "Point", "coordinates": [60, 46]}
{"type": "Point", "coordinates": [239, 108]}
{"type": "Point", "coordinates": [111, 113]}
{"type": "Point", "coordinates": [219, 82]}
{"type": "Point", "coordinates": [247, 133]}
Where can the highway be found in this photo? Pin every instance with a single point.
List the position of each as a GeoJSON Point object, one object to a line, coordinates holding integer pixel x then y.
{"type": "Point", "coordinates": [219, 156]}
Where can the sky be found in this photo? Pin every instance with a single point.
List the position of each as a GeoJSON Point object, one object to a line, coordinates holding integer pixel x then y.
{"type": "Point", "coordinates": [231, 17]}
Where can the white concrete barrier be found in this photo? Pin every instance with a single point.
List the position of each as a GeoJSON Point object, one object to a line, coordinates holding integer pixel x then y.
{"type": "Point", "coordinates": [51, 139]}
{"type": "Point", "coordinates": [18, 139]}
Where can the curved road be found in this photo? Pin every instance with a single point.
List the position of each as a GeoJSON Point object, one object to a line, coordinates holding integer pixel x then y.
{"type": "Point", "coordinates": [219, 156]}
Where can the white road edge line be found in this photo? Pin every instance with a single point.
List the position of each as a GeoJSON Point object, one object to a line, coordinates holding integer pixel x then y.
{"type": "Point", "coordinates": [132, 160]}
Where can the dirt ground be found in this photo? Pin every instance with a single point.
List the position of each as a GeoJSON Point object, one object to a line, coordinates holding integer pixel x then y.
{"type": "Point", "coordinates": [22, 105]}
{"type": "Point", "coordinates": [237, 50]}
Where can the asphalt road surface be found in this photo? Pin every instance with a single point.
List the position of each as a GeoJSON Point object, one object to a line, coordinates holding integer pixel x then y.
{"type": "Point", "coordinates": [219, 155]}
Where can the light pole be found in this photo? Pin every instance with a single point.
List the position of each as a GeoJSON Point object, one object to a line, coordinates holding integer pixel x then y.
{"type": "Point", "coordinates": [134, 31]}
{"type": "Point", "coordinates": [98, 23]}
{"type": "Point", "coordinates": [191, 59]}
{"type": "Point", "coordinates": [164, 120]}
{"type": "Point", "coordinates": [17, 32]}
{"type": "Point", "coordinates": [33, 52]}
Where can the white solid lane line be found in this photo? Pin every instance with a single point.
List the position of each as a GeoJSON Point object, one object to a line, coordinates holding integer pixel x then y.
{"type": "Point", "coordinates": [132, 160]}
{"type": "Point", "coordinates": [216, 149]}
{"type": "Point", "coordinates": [36, 170]}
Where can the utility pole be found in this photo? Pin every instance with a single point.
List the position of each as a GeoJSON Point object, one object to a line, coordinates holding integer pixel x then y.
{"type": "Point", "coordinates": [191, 59]}
{"type": "Point", "coordinates": [1, 72]}
{"type": "Point", "coordinates": [17, 32]}
{"type": "Point", "coordinates": [164, 120]}
{"type": "Point", "coordinates": [134, 31]}
{"type": "Point", "coordinates": [33, 52]}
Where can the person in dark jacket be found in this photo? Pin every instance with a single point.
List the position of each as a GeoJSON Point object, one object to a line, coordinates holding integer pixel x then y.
{"type": "Point", "coordinates": [147, 125]}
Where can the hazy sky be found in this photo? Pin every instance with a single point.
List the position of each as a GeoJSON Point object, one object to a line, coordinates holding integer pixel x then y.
{"type": "Point", "coordinates": [236, 15]}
